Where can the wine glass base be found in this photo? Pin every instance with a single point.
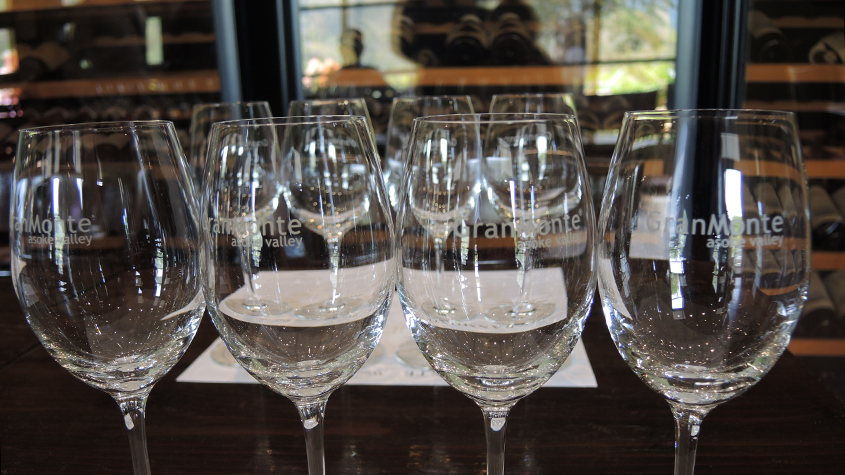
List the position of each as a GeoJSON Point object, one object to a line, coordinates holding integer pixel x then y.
{"type": "Point", "coordinates": [257, 308]}
{"type": "Point", "coordinates": [525, 314]}
{"type": "Point", "coordinates": [220, 355]}
{"type": "Point", "coordinates": [408, 354]}
{"type": "Point", "coordinates": [328, 310]}
{"type": "Point", "coordinates": [442, 309]}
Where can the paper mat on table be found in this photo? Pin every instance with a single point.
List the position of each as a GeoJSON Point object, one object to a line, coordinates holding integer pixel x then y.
{"type": "Point", "coordinates": [382, 369]}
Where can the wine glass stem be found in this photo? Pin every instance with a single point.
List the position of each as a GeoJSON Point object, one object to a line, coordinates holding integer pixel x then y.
{"type": "Point", "coordinates": [523, 257]}
{"type": "Point", "coordinates": [495, 423]}
{"type": "Point", "coordinates": [334, 258]}
{"type": "Point", "coordinates": [246, 267]}
{"type": "Point", "coordinates": [441, 302]}
{"type": "Point", "coordinates": [133, 417]}
{"type": "Point", "coordinates": [687, 425]}
{"type": "Point", "coordinates": [311, 413]}
{"type": "Point", "coordinates": [438, 258]}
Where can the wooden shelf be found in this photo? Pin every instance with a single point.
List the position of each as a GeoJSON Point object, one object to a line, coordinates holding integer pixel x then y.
{"type": "Point", "coordinates": [817, 347]}
{"type": "Point", "coordinates": [189, 82]}
{"type": "Point", "coordinates": [815, 168]}
{"type": "Point", "coordinates": [167, 39]}
{"type": "Point", "coordinates": [498, 76]}
{"type": "Point", "coordinates": [33, 5]}
{"type": "Point", "coordinates": [795, 106]}
{"type": "Point", "coordinates": [827, 260]}
{"type": "Point", "coordinates": [795, 73]}
{"type": "Point", "coordinates": [481, 76]}
{"type": "Point", "coordinates": [804, 22]}
{"type": "Point", "coordinates": [825, 168]}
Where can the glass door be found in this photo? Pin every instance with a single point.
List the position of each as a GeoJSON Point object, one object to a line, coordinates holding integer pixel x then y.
{"type": "Point", "coordinates": [613, 55]}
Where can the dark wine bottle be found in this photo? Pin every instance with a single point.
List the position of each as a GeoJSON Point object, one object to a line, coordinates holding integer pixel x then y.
{"type": "Point", "coordinates": [839, 199]}
{"type": "Point", "coordinates": [818, 318]}
{"type": "Point", "coordinates": [768, 43]}
{"type": "Point", "coordinates": [42, 62]}
{"type": "Point", "coordinates": [835, 285]}
{"type": "Point", "coordinates": [829, 50]}
{"type": "Point", "coordinates": [8, 142]}
{"type": "Point", "coordinates": [787, 203]}
{"type": "Point", "coordinates": [466, 44]}
{"type": "Point", "coordinates": [784, 260]}
{"type": "Point", "coordinates": [86, 113]}
{"type": "Point", "coordinates": [512, 43]}
{"type": "Point", "coordinates": [825, 220]}
{"type": "Point", "coordinates": [113, 146]}
{"type": "Point", "coordinates": [749, 203]}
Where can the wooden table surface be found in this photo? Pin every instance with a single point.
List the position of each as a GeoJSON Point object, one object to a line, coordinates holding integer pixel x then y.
{"type": "Point", "coordinates": [52, 423]}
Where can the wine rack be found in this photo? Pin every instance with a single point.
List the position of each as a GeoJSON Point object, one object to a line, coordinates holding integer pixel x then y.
{"type": "Point", "coordinates": [175, 83]}
{"type": "Point", "coordinates": [92, 60]}
{"type": "Point", "coordinates": [796, 63]}
{"type": "Point", "coordinates": [97, 60]}
{"type": "Point", "coordinates": [35, 5]}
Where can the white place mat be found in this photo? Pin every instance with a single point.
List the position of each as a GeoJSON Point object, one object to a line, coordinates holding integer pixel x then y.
{"type": "Point", "coordinates": [383, 369]}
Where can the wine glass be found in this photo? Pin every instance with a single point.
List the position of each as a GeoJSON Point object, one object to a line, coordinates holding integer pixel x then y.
{"type": "Point", "coordinates": [459, 262]}
{"type": "Point", "coordinates": [701, 279]}
{"type": "Point", "coordinates": [252, 191]}
{"type": "Point", "coordinates": [338, 106]}
{"type": "Point", "coordinates": [402, 114]}
{"type": "Point", "coordinates": [330, 236]}
{"type": "Point", "coordinates": [528, 179]}
{"type": "Point", "coordinates": [330, 193]}
{"type": "Point", "coordinates": [547, 102]}
{"type": "Point", "coordinates": [107, 259]}
{"type": "Point", "coordinates": [203, 115]}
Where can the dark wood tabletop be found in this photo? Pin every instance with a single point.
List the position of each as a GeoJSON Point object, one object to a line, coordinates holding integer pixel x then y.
{"type": "Point", "coordinates": [52, 423]}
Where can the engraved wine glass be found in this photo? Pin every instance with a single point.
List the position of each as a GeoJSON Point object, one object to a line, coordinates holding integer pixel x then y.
{"type": "Point", "coordinates": [107, 259]}
{"type": "Point", "coordinates": [402, 114]}
{"type": "Point", "coordinates": [540, 102]}
{"type": "Point", "coordinates": [331, 235]}
{"type": "Point", "coordinates": [403, 111]}
{"type": "Point", "coordinates": [203, 115]}
{"type": "Point", "coordinates": [245, 165]}
{"type": "Point", "coordinates": [705, 257]}
{"type": "Point", "coordinates": [333, 106]}
{"type": "Point", "coordinates": [528, 177]}
{"type": "Point", "coordinates": [459, 261]}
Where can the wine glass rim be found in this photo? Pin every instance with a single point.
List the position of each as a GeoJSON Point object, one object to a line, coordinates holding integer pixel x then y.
{"type": "Point", "coordinates": [433, 96]}
{"type": "Point", "coordinates": [533, 94]}
{"type": "Point", "coordinates": [102, 126]}
{"type": "Point", "coordinates": [288, 120]}
{"type": "Point", "coordinates": [496, 117]}
{"type": "Point", "coordinates": [205, 105]}
{"type": "Point", "coordinates": [708, 113]}
{"type": "Point", "coordinates": [326, 100]}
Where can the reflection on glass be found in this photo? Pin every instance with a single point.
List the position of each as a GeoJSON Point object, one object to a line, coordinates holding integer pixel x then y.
{"type": "Point", "coordinates": [703, 272]}
{"type": "Point", "coordinates": [325, 250]}
{"type": "Point", "coordinates": [203, 115]}
{"type": "Point", "coordinates": [495, 301]}
{"type": "Point", "coordinates": [603, 52]}
{"type": "Point", "coordinates": [402, 114]}
{"type": "Point", "coordinates": [555, 103]}
{"type": "Point", "coordinates": [107, 258]}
